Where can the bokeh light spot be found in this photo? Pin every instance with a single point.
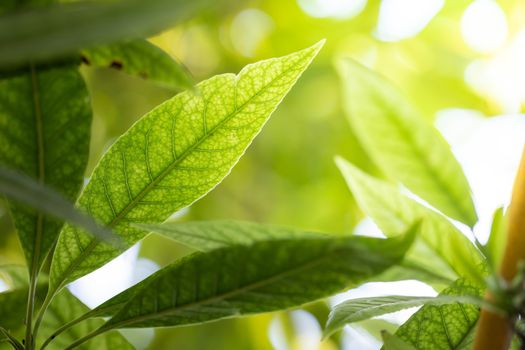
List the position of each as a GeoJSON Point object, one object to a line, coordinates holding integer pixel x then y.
{"type": "Point", "coordinates": [340, 9]}
{"type": "Point", "coordinates": [484, 26]}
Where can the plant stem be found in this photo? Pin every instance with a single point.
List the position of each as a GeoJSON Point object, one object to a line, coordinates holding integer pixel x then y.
{"type": "Point", "coordinates": [87, 337]}
{"type": "Point", "coordinates": [33, 279]}
{"type": "Point", "coordinates": [64, 328]}
{"type": "Point", "coordinates": [495, 332]}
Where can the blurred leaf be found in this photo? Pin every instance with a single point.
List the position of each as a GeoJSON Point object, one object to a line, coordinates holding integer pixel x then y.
{"type": "Point", "coordinates": [391, 342]}
{"type": "Point", "coordinates": [23, 189]}
{"type": "Point", "coordinates": [45, 126]}
{"type": "Point", "coordinates": [265, 276]}
{"type": "Point", "coordinates": [140, 58]}
{"type": "Point", "coordinates": [393, 212]}
{"type": "Point", "coordinates": [66, 307]}
{"type": "Point", "coordinates": [14, 276]}
{"type": "Point", "coordinates": [497, 239]}
{"type": "Point", "coordinates": [449, 326]}
{"type": "Point", "coordinates": [59, 29]}
{"type": "Point", "coordinates": [403, 145]}
{"type": "Point", "coordinates": [173, 156]}
{"type": "Point", "coordinates": [355, 310]}
{"type": "Point", "coordinates": [209, 235]}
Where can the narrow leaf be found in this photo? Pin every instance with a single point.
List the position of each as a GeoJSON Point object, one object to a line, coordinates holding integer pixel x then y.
{"type": "Point", "coordinates": [264, 276]}
{"type": "Point", "coordinates": [403, 144]}
{"type": "Point", "coordinates": [448, 326]}
{"type": "Point", "coordinates": [209, 235]}
{"type": "Point", "coordinates": [497, 239]}
{"type": "Point", "coordinates": [393, 212]}
{"type": "Point", "coordinates": [45, 124]}
{"type": "Point", "coordinates": [173, 156]}
{"type": "Point", "coordinates": [52, 31]}
{"type": "Point", "coordinates": [142, 59]}
{"type": "Point", "coordinates": [356, 310]}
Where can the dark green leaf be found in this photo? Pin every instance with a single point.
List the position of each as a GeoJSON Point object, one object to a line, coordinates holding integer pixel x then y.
{"type": "Point", "coordinates": [393, 212]}
{"type": "Point", "coordinates": [142, 59]}
{"type": "Point", "coordinates": [403, 144]}
{"type": "Point", "coordinates": [209, 235]}
{"type": "Point", "coordinates": [45, 124]}
{"type": "Point", "coordinates": [173, 156]}
{"type": "Point", "coordinates": [264, 276]}
{"type": "Point", "coordinates": [449, 326]}
{"type": "Point", "coordinates": [356, 310]}
{"type": "Point", "coordinates": [53, 31]}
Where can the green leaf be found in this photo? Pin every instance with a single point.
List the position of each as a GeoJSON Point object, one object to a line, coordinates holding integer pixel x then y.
{"type": "Point", "coordinates": [356, 310]}
{"type": "Point", "coordinates": [67, 307]}
{"type": "Point", "coordinates": [173, 156]}
{"type": "Point", "coordinates": [142, 59]}
{"type": "Point", "coordinates": [264, 276]}
{"type": "Point", "coordinates": [403, 144]}
{"type": "Point", "coordinates": [497, 239]}
{"type": "Point", "coordinates": [45, 124]}
{"type": "Point", "coordinates": [59, 29]}
{"type": "Point", "coordinates": [440, 327]}
{"type": "Point", "coordinates": [391, 342]}
{"type": "Point", "coordinates": [209, 235]}
{"type": "Point", "coordinates": [393, 212]}
{"type": "Point", "coordinates": [23, 189]}
{"type": "Point", "coordinates": [14, 276]}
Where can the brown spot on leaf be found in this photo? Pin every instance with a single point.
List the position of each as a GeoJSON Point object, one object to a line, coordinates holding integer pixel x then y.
{"type": "Point", "coordinates": [84, 60]}
{"type": "Point", "coordinates": [116, 64]}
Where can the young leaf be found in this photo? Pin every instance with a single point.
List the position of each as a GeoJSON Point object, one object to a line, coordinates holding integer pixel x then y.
{"type": "Point", "coordinates": [403, 144]}
{"type": "Point", "coordinates": [173, 156]}
{"type": "Point", "coordinates": [443, 326]}
{"type": "Point", "coordinates": [45, 123]}
{"type": "Point", "coordinates": [67, 307]}
{"type": "Point", "coordinates": [393, 212]}
{"type": "Point", "coordinates": [391, 342]}
{"type": "Point", "coordinates": [497, 239]}
{"type": "Point", "coordinates": [261, 277]}
{"type": "Point", "coordinates": [140, 58]}
{"type": "Point", "coordinates": [356, 310]}
{"type": "Point", "coordinates": [209, 235]}
{"type": "Point", "coordinates": [53, 31]}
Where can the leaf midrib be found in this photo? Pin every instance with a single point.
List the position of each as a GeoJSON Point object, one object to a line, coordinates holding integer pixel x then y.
{"type": "Point", "coordinates": [329, 254]}
{"type": "Point", "coordinates": [164, 173]}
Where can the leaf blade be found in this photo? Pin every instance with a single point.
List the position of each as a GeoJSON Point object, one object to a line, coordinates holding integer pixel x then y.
{"type": "Point", "coordinates": [178, 152]}
{"type": "Point", "coordinates": [403, 145]}
{"type": "Point", "coordinates": [392, 212]}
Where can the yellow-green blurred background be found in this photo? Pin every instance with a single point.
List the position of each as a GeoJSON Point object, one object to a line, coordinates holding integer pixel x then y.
{"type": "Point", "coordinates": [441, 54]}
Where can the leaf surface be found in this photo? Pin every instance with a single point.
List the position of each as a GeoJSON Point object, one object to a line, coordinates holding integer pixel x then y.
{"type": "Point", "coordinates": [393, 212]}
{"type": "Point", "coordinates": [403, 144]}
{"type": "Point", "coordinates": [391, 342]}
{"type": "Point", "coordinates": [53, 31]}
{"type": "Point", "coordinates": [142, 59]}
{"type": "Point", "coordinates": [440, 327]}
{"type": "Point", "coordinates": [173, 156]}
{"type": "Point", "coordinates": [355, 310]}
{"type": "Point", "coordinates": [209, 235]}
{"type": "Point", "coordinates": [261, 277]}
{"type": "Point", "coordinates": [45, 124]}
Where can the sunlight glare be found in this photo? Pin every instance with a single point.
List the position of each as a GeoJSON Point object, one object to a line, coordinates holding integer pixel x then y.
{"type": "Point", "coordinates": [484, 26]}
{"type": "Point", "coordinates": [339, 9]}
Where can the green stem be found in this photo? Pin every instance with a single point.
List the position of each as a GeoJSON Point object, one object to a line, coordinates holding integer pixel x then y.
{"type": "Point", "coordinates": [41, 314]}
{"type": "Point", "coordinates": [11, 340]}
{"type": "Point", "coordinates": [29, 311]}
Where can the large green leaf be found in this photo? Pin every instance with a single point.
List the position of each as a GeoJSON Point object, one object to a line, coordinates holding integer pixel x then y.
{"type": "Point", "coordinates": [261, 277]}
{"type": "Point", "coordinates": [45, 124]}
{"type": "Point", "coordinates": [65, 308]}
{"type": "Point", "coordinates": [355, 310]}
{"type": "Point", "coordinates": [48, 32]}
{"type": "Point", "coordinates": [140, 58]}
{"type": "Point", "coordinates": [438, 327]}
{"type": "Point", "coordinates": [209, 235]}
{"type": "Point", "coordinates": [391, 342]}
{"type": "Point", "coordinates": [173, 156]}
{"type": "Point", "coordinates": [403, 144]}
{"type": "Point", "coordinates": [393, 212]}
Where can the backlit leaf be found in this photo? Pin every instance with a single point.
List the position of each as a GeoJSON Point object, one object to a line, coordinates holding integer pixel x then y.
{"type": "Point", "coordinates": [142, 59]}
{"type": "Point", "coordinates": [393, 212]}
{"type": "Point", "coordinates": [403, 144]}
{"type": "Point", "coordinates": [173, 156]}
